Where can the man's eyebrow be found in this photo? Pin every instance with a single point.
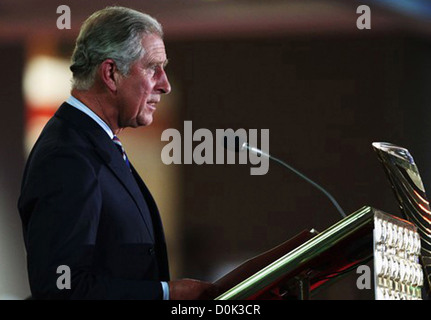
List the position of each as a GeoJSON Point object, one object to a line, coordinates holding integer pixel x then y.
{"type": "Point", "coordinates": [163, 63]}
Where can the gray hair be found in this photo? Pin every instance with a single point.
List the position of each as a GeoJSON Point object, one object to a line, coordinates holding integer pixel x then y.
{"type": "Point", "coordinates": [111, 33]}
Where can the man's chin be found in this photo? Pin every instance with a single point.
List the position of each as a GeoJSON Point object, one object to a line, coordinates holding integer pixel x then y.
{"type": "Point", "coordinates": [144, 122]}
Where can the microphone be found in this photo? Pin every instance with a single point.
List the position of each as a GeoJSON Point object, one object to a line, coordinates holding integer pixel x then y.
{"type": "Point", "coordinates": [239, 144]}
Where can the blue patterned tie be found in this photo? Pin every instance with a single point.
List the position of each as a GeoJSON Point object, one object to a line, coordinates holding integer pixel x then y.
{"type": "Point", "coordinates": [120, 147]}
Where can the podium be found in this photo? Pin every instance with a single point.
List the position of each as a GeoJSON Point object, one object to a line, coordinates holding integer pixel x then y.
{"type": "Point", "coordinates": [303, 263]}
{"type": "Point", "coordinates": [400, 249]}
{"type": "Point", "coordinates": [309, 260]}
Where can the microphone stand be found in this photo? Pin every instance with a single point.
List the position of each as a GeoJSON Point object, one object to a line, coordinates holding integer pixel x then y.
{"type": "Point", "coordinates": [259, 152]}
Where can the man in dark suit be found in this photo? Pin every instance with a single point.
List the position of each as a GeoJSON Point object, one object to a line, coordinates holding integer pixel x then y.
{"type": "Point", "coordinates": [83, 205]}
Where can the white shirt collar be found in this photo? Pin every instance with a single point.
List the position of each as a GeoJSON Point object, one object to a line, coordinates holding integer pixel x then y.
{"type": "Point", "coordinates": [82, 107]}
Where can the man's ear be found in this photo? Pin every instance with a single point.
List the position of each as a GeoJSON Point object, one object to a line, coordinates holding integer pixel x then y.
{"type": "Point", "coordinates": [109, 74]}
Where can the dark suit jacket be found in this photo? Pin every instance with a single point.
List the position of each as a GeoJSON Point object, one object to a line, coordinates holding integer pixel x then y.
{"type": "Point", "coordinates": [82, 207]}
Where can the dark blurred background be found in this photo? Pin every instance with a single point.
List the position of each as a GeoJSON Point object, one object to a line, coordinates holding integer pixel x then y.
{"type": "Point", "coordinates": [302, 69]}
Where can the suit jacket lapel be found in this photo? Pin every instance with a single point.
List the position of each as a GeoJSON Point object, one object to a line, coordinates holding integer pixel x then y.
{"type": "Point", "coordinates": [119, 167]}
{"type": "Point", "coordinates": [109, 153]}
{"type": "Point", "coordinates": [161, 251]}
{"type": "Point", "coordinates": [155, 216]}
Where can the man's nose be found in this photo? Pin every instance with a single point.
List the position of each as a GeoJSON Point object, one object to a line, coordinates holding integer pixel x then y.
{"type": "Point", "coordinates": [163, 84]}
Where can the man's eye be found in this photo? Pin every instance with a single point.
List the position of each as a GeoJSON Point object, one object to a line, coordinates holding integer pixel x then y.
{"type": "Point", "coordinates": [154, 67]}
{"type": "Point", "coordinates": [150, 70]}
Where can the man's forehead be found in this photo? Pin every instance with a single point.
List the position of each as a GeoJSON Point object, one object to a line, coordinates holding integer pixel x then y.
{"type": "Point", "coordinates": [153, 42]}
{"type": "Point", "coordinates": [154, 50]}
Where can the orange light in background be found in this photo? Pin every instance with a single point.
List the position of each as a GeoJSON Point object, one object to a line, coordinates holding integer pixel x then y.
{"type": "Point", "coordinates": [46, 85]}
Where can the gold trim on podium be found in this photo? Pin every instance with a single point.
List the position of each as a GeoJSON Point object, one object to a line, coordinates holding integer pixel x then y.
{"type": "Point", "coordinates": [351, 240]}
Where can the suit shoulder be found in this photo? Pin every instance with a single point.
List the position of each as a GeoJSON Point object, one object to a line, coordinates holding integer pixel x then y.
{"type": "Point", "coordinates": [59, 133]}
{"type": "Point", "coordinates": [60, 139]}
